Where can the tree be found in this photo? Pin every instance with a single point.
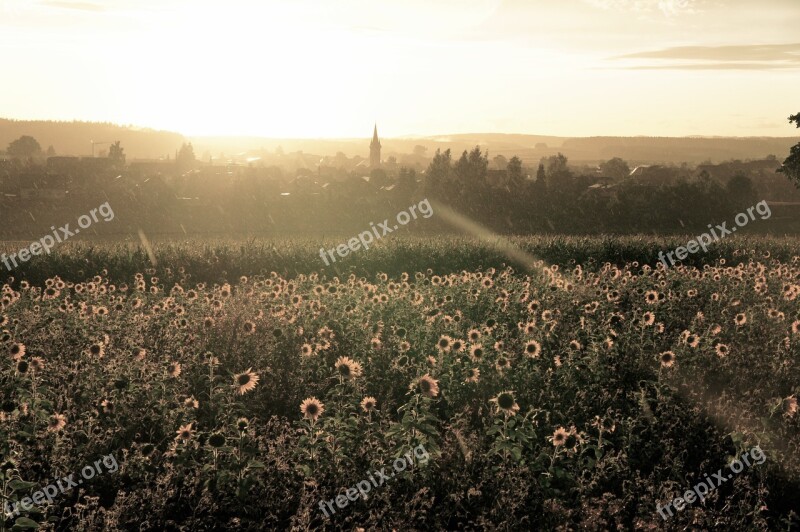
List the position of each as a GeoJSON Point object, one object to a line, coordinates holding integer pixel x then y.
{"type": "Point", "coordinates": [25, 147]}
{"type": "Point", "coordinates": [540, 173]}
{"type": "Point", "coordinates": [406, 180]}
{"type": "Point", "coordinates": [51, 152]}
{"type": "Point", "coordinates": [500, 162]}
{"type": "Point", "coordinates": [117, 154]}
{"type": "Point", "coordinates": [186, 158]}
{"type": "Point", "coordinates": [439, 172]}
{"type": "Point", "coordinates": [791, 166]}
{"type": "Point", "coordinates": [741, 190]}
{"type": "Point", "coordinates": [472, 167]}
{"type": "Point", "coordinates": [515, 176]}
{"type": "Point", "coordinates": [615, 168]}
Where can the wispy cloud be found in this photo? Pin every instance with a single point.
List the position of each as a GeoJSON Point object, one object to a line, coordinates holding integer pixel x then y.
{"type": "Point", "coordinates": [667, 7]}
{"type": "Point", "coordinates": [738, 57]}
{"type": "Point", "coordinates": [80, 6]}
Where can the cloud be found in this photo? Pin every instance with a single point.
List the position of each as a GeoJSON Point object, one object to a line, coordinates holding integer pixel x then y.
{"type": "Point", "coordinates": [80, 6]}
{"type": "Point", "coordinates": [738, 57]}
{"type": "Point", "coordinates": [667, 7]}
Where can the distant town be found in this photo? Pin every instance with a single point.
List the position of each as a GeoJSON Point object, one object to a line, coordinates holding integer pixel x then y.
{"type": "Point", "coordinates": [269, 191]}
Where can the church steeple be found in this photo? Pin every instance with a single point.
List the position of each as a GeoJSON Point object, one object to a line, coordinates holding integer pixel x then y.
{"type": "Point", "coordinates": [375, 149]}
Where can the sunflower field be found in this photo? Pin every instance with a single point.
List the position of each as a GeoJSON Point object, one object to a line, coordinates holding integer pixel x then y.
{"type": "Point", "coordinates": [238, 389]}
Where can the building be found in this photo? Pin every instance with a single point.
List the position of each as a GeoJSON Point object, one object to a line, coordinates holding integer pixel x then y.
{"type": "Point", "coordinates": [375, 150]}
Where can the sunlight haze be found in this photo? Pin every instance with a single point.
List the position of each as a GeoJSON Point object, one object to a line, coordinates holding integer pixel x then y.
{"type": "Point", "coordinates": [308, 68]}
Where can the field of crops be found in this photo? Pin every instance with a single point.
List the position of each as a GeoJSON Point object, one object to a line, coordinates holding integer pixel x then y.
{"type": "Point", "coordinates": [531, 384]}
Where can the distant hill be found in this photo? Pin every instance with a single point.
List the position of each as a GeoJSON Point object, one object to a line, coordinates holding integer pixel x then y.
{"type": "Point", "coordinates": [531, 148]}
{"type": "Point", "coordinates": [74, 138]}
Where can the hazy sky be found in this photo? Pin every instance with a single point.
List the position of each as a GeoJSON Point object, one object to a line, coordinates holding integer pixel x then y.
{"type": "Point", "coordinates": [326, 68]}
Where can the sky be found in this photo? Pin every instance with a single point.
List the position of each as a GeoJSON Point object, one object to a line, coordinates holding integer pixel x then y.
{"type": "Point", "coordinates": [322, 68]}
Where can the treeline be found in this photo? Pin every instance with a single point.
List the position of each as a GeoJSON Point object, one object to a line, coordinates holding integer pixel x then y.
{"type": "Point", "coordinates": [76, 137]}
{"type": "Point", "coordinates": [560, 201]}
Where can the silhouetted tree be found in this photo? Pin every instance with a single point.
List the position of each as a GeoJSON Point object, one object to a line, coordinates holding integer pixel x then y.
{"type": "Point", "coordinates": [540, 174]}
{"type": "Point", "coordinates": [791, 166]}
{"type": "Point", "coordinates": [471, 169]}
{"type": "Point", "coordinates": [406, 180]}
{"type": "Point", "coordinates": [186, 159]}
{"type": "Point", "coordinates": [24, 148]}
{"type": "Point", "coordinates": [515, 176]}
{"type": "Point", "coordinates": [616, 168]}
{"type": "Point", "coordinates": [556, 167]}
{"type": "Point", "coordinates": [500, 162]}
{"type": "Point", "coordinates": [741, 191]}
{"type": "Point", "coordinates": [439, 173]}
{"type": "Point", "coordinates": [117, 154]}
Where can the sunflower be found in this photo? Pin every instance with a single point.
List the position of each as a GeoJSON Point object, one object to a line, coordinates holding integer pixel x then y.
{"type": "Point", "coordinates": [651, 296]}
{"type": "Point", "coordinates": [17, 350]}
{"type": "Point", "coordinates": [216, 440]}
{"type": "Point", "coordinates": [458, 346]}
{"type": "Point", "coordinates": [533, 348]}
{"type": "Point", "coordinates": [312, 408]}
{"type": "Point", "coordinates": [476, 352]}
{"type": "Point", "coordinates": [369, 403]}
{"type": "Point", "coordinates": [185, 433]}
{"type": "Point", "coordinates": [427, 385]}
{"type": "Point", "coordinates": [559, 437]}
{"type": "Point", "coordinates": [693, 340]}
{"type": "Point", "coordinates": [796, 327]}
{"type": "Point", "coordinates": [649, 318]}
{"type": "Point", "coordinates": [191, 402]}
{"type": "Point", "coordinates": [444, 343]}
{"type": "Point", "coordinates": [348, 368]}
{"type": "Point", "coordinates": [56, 423]}
{"type": "Point", "coordinates": [474, 335]}
{"type": "Point", "coordinates": [249, 327]}
{"type": "Point", "coordinates": [740, 319]}
{"type": "Point", "coordinates": [306, 350]}
{"type": "Point", "coordinates": [97, 350]}
{"type": "Point", "coordinates": [208, 322]}
{"type": "Point", "coordinates": [174, 369]}
{"type": "Point", "coordinates": [502, 363]}
{"type": "Point", "coordinates": [505, 403]}
{"type": "Point", "coordinates": [473, 375]}
{"type": "Point", "coordinates": [245, 381]}
{"type": "Point", "coordinates": [667, 359]}
{"type": "Point", "coordinates": [23, 366]}
{"type": "Point", "coordinates": [722, 350]}
{"type": "Point", "coordinates": [138, 353]}
{"type": "Point", "coordinates": [37, 364]}
{"type": "Point", "coordinates": [242, 424]}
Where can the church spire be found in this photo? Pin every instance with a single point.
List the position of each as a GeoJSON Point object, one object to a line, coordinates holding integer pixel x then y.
{"type": "Point", "coordinates": [375, 149]}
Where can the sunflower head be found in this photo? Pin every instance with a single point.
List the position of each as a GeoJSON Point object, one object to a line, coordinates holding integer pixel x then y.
{"type": "Point", "coordinates": [369, 403]}
{"type": "Point", "coordinates": [216, 440]}
{"type": "Point", "coordinates": [312, 408]}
